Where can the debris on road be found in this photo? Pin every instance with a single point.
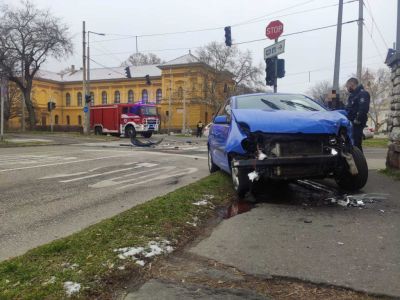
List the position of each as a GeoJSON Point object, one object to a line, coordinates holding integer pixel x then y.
{"type": "Point", "coordinates": [71, 288]}
{"type": "Point", "coordinates": [201, 202]}
{"type": "Point", "coordinates": [355, 200]}
{"type": "Point", "coordinates": [340, 243]}
{"type": "Point", "coordinates": [136, 142]}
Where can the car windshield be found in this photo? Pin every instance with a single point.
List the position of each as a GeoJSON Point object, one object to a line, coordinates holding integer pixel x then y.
{"type": "Point", "coordinates": [278, 102]}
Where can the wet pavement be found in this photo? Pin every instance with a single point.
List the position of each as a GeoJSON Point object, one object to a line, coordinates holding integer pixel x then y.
{"type": "Point", "coordinates": [314, 232]}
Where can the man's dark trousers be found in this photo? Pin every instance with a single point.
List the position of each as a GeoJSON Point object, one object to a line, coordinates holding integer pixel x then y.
{"type": "Point", "coordinates": [358, 135]}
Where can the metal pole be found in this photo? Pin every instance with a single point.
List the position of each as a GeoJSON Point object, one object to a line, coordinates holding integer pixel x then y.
{"type": "Point", "coordinates": [3, 95]}
{"type": "Point", "coordinates": [23, 98]}
{"type": "Point", "coordinates": [86, 125]}
{"type": "Point", "coordinates": [360, 38]}
{"type": "Point", "coordinates": [398, 27]}
{"type": "Point", "coordinates": [51, 117]}
{"type": "Point", "coordinates": [276, 72]}
{"type": "Point", "coordinates": [136, 45]}
{"type": "Point", "coordinates": [88, 83]}
{"type": "Point", "coordinates": [338, 46]}
{"type": "Point", "coordinates": [169, 100]}
{"type": "Point", "coordinates": [184, 107]}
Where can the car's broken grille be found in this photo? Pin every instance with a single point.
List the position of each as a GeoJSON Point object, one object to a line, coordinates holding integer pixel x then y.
{"type": "Point", "coordinates": [295, 148]}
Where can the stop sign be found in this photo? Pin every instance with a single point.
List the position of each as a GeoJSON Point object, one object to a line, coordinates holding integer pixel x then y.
{"type": "Point", "coordinates": [274, 30]}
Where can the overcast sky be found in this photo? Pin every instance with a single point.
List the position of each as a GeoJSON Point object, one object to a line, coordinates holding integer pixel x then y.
{"type": "Point", "coordinates": [313, 51]}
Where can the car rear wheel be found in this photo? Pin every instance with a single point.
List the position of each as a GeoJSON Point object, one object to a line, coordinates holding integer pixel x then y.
{"type": "Point", "coordinates": [350, 182]}
{"type": "Point", "coordinates": [240, 180]}
{"type": "Point", "coordinates": [211, 166]}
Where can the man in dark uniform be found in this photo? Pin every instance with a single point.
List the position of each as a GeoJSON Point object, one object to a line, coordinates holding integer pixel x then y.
{"type": "Point", "coordinates": [357, 109]}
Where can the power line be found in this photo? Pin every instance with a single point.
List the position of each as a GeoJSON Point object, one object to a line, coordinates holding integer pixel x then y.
{"type": "Point", "coordinates": [374, 42]}
{"type": "Point", "coordinates": [369, 10]}
{"type": "Point", "coordinates": [298, 32]}
{"type": "Point", "coordinates": [108, 68]}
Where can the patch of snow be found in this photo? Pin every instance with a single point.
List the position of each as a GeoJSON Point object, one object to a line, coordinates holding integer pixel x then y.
{"type": "Point", "coordinates": [253, 176]}
{"type": "Point", "coordinates": [201, 202]}
{"type": "Point", "coordinates": [153, 248]}
{"type": "Point", "coordinates": [193, 224]}
{"type": "Point", "coordinates": [121, 268]}
{"type": "Point", "coordinates": [50, 281]}
{"type": "Point", "coordinates": [71, 288]}
{"type": "Point", "coordinates": [140, 263]}
{"type": "Point", "coordinates": [209, 197]}
{"type": "Point", "coordinates": [261, 155]}
{"type": "Point", "coordinates": [340, 243]}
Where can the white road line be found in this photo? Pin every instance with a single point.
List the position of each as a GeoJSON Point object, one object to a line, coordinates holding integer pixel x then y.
{"type": "Point", "coordinates": [63, 175]}
{"type": "Point", "coordinates": [96, 175]}
{"type": "Point", "coordinates": [112, 182]}
{"type": "Point", "coordinates": [61, 163]}
{"type": "Point", "coordinates": [166, 176]}
{"type": "Point", "coordinates": [149, 152]}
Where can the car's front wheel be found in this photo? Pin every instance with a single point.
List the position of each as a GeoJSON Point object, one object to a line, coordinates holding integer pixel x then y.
{"type": "Point", "coordinates": [351, 182]}
{"type": "Point", "coordinates": [211, 166]}
{"type": "Point", "coordinates": [240, 180]}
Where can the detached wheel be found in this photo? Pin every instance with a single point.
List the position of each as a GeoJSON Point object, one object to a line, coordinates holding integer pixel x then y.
{"type": "Point", "coordinates": [147, 134]}
{"type": "Point", "coordinates": [240, 180]}
{"type": "Point", "coordinates": [211, 166]}
{"type": "Point", "coordinates": [130, 132]}
{"type": "Point", "coordinates": [98, 130]}
{"type": "Point", "coordinates": [350, 182]}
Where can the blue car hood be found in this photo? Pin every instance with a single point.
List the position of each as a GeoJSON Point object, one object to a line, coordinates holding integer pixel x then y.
{"type": "Point", "coordinates": [284, 121]}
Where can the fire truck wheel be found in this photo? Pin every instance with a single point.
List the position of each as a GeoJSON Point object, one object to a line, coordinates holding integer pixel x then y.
{"type": "Point", "coordinates": [147, 134]}
{"type": "Point", "coordinates": [98, 130]}
{"type": "Point", "coordinates": [130, 131]}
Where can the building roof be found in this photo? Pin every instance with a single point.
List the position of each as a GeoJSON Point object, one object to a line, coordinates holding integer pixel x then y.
{"type": "Point", "coordinates": [182, 60]}
{"type": "Point", "coordinates": [101, 73]}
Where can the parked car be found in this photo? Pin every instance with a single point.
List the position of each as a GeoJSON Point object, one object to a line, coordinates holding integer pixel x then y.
{"type": "Point", "coordinates": [283, 137]}
{"type": "Point", "coordinates": [368, 133]}
{"type": "Point", "coordinates": [206, 130]}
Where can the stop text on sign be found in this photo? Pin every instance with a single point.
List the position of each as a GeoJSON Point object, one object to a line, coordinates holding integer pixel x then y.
{"type": "Point", "coordinates": [274, 29]}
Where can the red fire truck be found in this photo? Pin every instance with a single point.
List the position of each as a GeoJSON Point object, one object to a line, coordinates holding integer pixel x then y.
{"type": "Point", "coordinates": [125, 119]}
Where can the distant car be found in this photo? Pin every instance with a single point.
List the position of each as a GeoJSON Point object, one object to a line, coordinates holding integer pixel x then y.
{"type": "Point", "coordinates": [206, 129]}
{"type": "Point", "coordinates": [368, 133]}
{"type": "Point", "coordinates": [283, 137]}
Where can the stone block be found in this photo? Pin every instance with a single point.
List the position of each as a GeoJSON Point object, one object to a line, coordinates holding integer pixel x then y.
{"type": "Point", "coordinates": [397, 71]}
{"type": "Point", "coordinates": [396, 121]}
{"type": "Point", "coordinates": [396, 81]}
{"type": "Point", "coordinates": [395, 99]}
{"type": "Point", "coordinates": [396, 90]}
{"type": "Point", "coordinates": [394, 134]}
{"type": "Point", "coordinates": [395, 106]}
{"type": "Point", "coordinates": [393, 156]}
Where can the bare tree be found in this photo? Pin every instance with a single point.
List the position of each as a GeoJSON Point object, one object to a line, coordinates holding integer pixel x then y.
{"type": "Point", "coordinates": [28, 37]}
{"type": "Point", "coordinates": [141, 59]}
{"type": "Point", "coordinates": [228, 62]}
{"type": "Point", "coordinates": [321, 91]}
{"type": "Point", "coordinates": [377, 83]}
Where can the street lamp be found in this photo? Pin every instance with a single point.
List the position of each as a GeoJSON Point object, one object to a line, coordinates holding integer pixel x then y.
{"type": "Point", "coordinates": [87, 120]}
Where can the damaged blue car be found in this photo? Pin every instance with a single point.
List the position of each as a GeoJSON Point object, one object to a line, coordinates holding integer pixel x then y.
{"type": "Point", "coordinates": [283, 137]}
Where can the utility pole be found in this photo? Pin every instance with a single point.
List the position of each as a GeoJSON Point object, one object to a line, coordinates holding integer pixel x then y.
{"type": "Point", "coordinates": [169, 101]}
{"type": "Point", "coordinates": [4, 84]}
{"type": "Point", "coordinates": [23, 98]}
{"type": "Point", "coordinates": [86, 126]}
{"type": "Point", "coordinates": [360, 38]}
{"type": "Point", "coordinates": [338, 46]}
{"type": "Point", "coordinates": [276, 72]}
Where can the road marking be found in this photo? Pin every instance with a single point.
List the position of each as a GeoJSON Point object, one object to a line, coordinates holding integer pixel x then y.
{"type": "Point", "coordinates": [160, 177]}
{"type": "Point", "coordinates": [63, 175]}
{"type": "Point", "coordinates": [61, 163]}
{"type": "Point", "coordinates": [149, 152]}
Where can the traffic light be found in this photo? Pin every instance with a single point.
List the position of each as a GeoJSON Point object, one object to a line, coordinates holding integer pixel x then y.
{"type": "Point", "coordinates": [228, 36]}
{"type": "Point", "coordinates": [51, 106]}
{"type": "Point", "coordinates": [280, 68]}
{"type": "Point", "coordinates": [270, 71]}
{"type": "Point", "coordinates": [148, 82]}
{"type": "Point", "coordinates": [128, 72]}
{"type": "Point", "coordinates": [88, 98]}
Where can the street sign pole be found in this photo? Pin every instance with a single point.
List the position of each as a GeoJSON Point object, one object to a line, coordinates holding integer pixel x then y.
{"type": "Point", "coordinates": [51, 116]}
{"type": "Point", "coordinates": [276, 71]}
{"type": "Point", "coordinates": [3, 95]}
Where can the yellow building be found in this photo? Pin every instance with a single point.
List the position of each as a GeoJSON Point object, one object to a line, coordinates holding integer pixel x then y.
{"type": "Point", "coordinates": [181, 85]}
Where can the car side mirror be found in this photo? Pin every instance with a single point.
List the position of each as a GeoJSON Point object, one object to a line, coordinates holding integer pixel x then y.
{"type": "Point", "coordinates": [221, 120]}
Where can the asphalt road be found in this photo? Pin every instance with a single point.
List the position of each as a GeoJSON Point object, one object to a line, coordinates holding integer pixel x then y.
{"type": "Point", "coordinates": [297, 232]}
{"type": "Point", "coordinates": [48, 192]}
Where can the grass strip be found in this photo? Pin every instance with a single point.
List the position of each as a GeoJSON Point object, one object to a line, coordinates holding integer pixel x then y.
{"type": "Point", "coordinates": [395, 174]}
{"type": "Point", "coordinates": [88, 257]}
{"type": "Point", "coordinates": [8, 144]}
{"type": "Point", "coordinates": [376, 142]}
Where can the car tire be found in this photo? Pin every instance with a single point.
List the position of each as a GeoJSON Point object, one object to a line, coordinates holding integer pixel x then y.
{"type": "Point", "coordinates": [147, 134]}
{"type": "Point", "coordinates": [130, 131]}
{"type": "Point", "coordinates": [211, 166]}
{"type": "Point", "coordinates": [350, 182]}
{"type": "Point", "coordinates": [240, 181]}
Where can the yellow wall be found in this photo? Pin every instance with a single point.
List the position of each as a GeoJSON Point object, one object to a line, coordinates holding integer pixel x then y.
{"type": "Point", "coordinates": [187, 86]}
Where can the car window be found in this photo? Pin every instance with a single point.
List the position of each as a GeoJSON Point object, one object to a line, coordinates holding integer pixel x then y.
{"type": "Point", "coordinates": [278, 102]}
{"type": "Point", "coordinates": [125, 110]}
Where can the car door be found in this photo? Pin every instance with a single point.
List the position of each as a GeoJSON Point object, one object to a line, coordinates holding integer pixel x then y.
{"type": "Point", "coordinates": [219, 134]}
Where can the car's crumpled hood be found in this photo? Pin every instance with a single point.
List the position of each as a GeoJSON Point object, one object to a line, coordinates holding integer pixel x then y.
{"type": "Point", "coordinates": [283, 121]}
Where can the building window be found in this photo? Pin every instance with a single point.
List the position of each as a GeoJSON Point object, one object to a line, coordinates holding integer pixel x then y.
{"type": "Point", "coordinates": [79, 96]}
{"type": "Point", "coordinates": [158, 95]}
{"type": "Point", "coordinates": [180, 93]}
{"type": "Point", "coordinates": [92, 98]}
{"type": "Point", "coordinates": [67, 100]}
{"type": "Point", "coordinates": [68, 120]}
{"type": "Point", "coordinates": [80, 120]}
{"type": "Point", "coordinates": [167, 113]}
{"type": "Point", "coordinates": [104, 97]}
{"type": "Point", "coordinates": [145, 96]}
{"type": "Point", "coordinates": [130, 96]}
{"type": "Point", "coordinates": [56, 119]}
{"type": "Point", "coordinates": [117, 97]}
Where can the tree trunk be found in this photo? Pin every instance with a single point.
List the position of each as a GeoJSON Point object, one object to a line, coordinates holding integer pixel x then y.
{"type": "Point", "coordinates": [29, 107]}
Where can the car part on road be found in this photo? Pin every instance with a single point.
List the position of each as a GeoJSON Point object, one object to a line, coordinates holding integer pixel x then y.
{"type": "Point", "coordinates": [136, 142]}
{"type": "Point", "coordinates": [147, 134]}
